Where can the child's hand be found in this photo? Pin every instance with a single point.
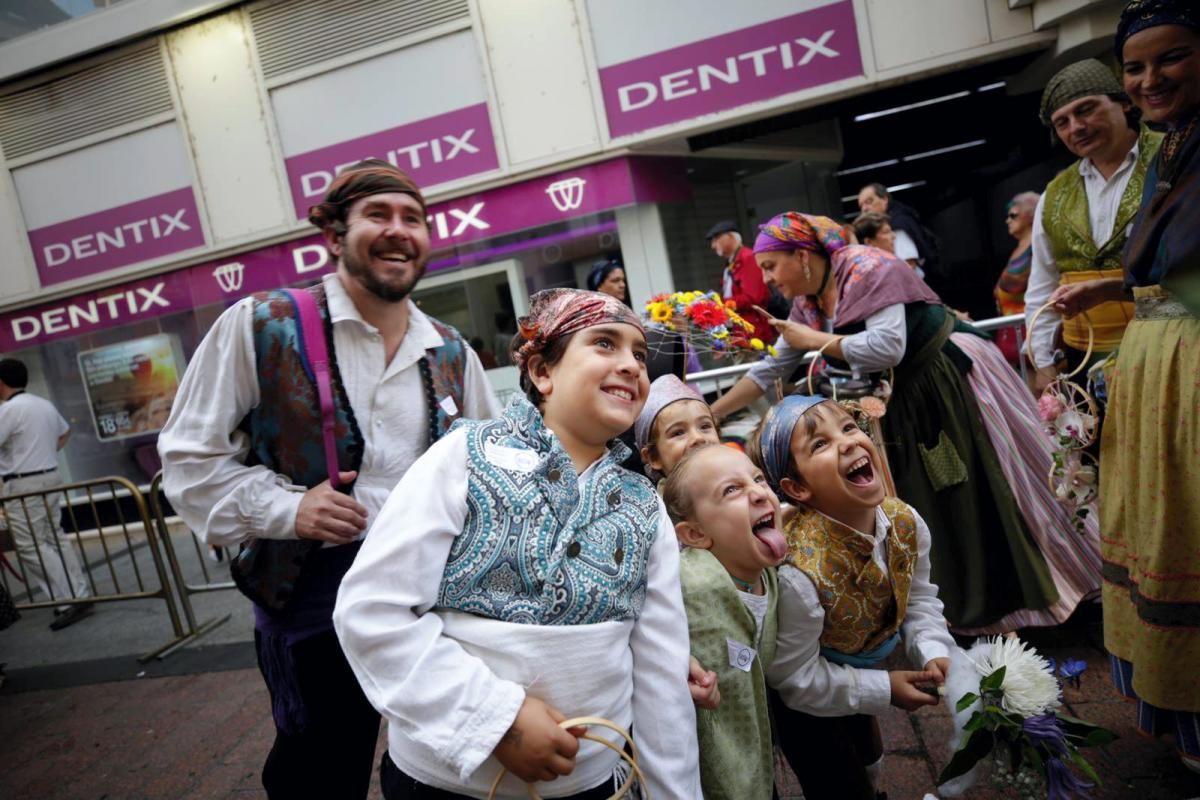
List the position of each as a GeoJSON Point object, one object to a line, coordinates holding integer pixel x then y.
{"type": "Point", "coordinates": [907, 694]}
{"type": "Point", "coordinates": [939, 668]}
{"type": "Point", "coordinates": [703, 686]}
{"type": "Point", "coordinates": [535, 748]}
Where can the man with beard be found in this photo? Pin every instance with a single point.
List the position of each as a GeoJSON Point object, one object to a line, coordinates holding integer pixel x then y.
{"type": "Point", "coordinates": [244, 459]}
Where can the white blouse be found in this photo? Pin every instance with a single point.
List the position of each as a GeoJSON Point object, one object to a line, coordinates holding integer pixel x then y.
{"type": "Point", "coordinates": [808, 682]}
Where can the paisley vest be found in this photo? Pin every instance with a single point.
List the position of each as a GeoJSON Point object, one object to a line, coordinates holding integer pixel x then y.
{"type": "Point", "coordinates": [536, 548]}
{"type": "Point", "coordinates": [863, 606]}
{"type": "Point", "coordinates": [285, 428]}
{"type": "Point", "coordinates": [1069, 230]}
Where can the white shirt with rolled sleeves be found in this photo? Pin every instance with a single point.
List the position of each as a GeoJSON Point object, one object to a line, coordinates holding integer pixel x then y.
{"type": "Point", "coordinates": [808, 682]}
{"type": "Point", "coordinates": [30, 427]}
{"type": "Point", "coordinates": [450, 683]}
{"type": "Point", "coordinates": [204, 453]}
{"type": "Point", "coordinates": [878, 347]}
{"type": "Point", "coordinates": [1104, 200]}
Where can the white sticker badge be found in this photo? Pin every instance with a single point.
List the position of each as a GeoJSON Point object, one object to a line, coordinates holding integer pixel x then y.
{"type": "Point", "coordinates": [511, 458]}
{"type": "Point", "coordinates": [449, 406]}
{"type": "Point", "coordinates": [741, 656]}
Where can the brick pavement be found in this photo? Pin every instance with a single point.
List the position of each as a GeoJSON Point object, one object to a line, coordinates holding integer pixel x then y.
{"type": "Point", "coordinates": [205, 735]}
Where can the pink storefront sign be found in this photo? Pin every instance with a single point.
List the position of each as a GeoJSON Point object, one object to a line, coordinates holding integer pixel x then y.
{"type": "Point", "coordinates": [117, 237]}
{"type": "Point", "coordinates": [743, 66]}
{"type": "Point", "coordinates": [433, 151]}
{"type": "Point", "coordinates": [529, 204]}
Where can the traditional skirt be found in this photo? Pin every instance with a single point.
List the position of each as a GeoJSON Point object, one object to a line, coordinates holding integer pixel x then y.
{"type": "Point", "coordinates": [1150, 504]}
{"type": "Point", "coordinates": [1024, 449]}
{"type": "Point", "coordinates": [984, 561]}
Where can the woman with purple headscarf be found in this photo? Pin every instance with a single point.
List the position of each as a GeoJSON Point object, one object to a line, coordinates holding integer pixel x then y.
{"type": "Point", "coordinates": [871, 311]}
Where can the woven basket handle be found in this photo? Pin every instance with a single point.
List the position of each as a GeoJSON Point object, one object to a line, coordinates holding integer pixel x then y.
{"type": "Point", "coordinates": [1091, 340]}
{"type": "Point", "coordinates": [635, 771]}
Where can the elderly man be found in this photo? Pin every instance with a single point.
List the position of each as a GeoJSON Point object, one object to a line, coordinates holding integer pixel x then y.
{"type": "Point", "coordinates": [244, 460]}
{"type": "Point", "coordinates": [914, 243]}
{"type": "Point", "coordinates": [1081, 222]}
{"type": "Point", "coordinates": [742, 281]}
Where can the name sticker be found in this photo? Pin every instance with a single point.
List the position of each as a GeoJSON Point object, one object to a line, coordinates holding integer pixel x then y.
{"type": "Point", "coordinates": [449, 406]}
{"type": "Point", "coordinates": [511, 458]}
{"type": "Point", "coordinates": [741, 656]}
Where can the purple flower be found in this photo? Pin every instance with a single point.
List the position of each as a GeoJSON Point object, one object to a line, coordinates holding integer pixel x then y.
{"type": "Point", "coordinates": [1062, 783]}
{"type": "Point", "coordinates": [1053, 664]}
{"type": "Point", "coordinates": [1071, 670]}
{"type": "Point", "coordinates": [1045, 730]}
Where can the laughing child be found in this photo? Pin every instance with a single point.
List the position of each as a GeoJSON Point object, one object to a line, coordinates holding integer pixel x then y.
{"type": "Point", "coordinates": [726, 515]}
{"type": "Point", "coordinates": [518, 576]}
{"type": "Point", "coordinates": [856, 583]}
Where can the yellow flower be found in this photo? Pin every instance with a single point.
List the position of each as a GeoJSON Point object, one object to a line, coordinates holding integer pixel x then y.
{"type": "Point", "coordinates": [771, 350]}
{"type": "Point", "coordinates": [721, 335]}
{"type": "Point", "coordinates": [756, 343]}
{"type": "Point", "coordinates": [660, 312]}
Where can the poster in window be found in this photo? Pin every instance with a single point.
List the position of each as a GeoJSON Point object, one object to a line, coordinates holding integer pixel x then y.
{"type": "Point", "coordinates": [131, 385]}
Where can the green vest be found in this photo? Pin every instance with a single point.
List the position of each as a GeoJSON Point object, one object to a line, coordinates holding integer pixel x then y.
{"type": "Point", "coordinates": [1065, 214]}
{"type": "Point", "coordinates": [736, 751]}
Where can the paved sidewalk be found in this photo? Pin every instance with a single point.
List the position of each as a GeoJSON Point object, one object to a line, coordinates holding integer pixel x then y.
{"type": "Point", "coordinates": [205, 733]}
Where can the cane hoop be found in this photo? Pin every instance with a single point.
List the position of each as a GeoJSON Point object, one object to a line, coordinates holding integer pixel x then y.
{"type": "Point", "coordinates": [1087, 356]}
{"type": "Point", "coordinates": [630, 756]}
{"type": "Point", "coordinates": [812, 367]}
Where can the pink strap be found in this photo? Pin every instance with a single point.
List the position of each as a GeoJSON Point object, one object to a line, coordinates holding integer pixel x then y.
{"type": "Point", "coordinates": [312, 333]}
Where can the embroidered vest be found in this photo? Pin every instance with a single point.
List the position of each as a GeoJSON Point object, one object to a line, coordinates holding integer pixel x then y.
{"type": "Point", "coordinates": [736, 750]}
{"type": "Point", "coordinates": [863, 607]}
{"type": "Point", "coordinates": [534, 548]}
{"type": "Point", "coordinates": [285, 428]}
{"type": "Point", "coordinates": [1069, 230]}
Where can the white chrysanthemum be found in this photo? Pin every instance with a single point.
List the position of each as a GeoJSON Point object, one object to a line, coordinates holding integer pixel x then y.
{"type": "Point", "coordinates": [1029, 686]}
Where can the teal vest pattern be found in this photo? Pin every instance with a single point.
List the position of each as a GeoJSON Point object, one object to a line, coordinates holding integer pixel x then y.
{"type": "Point", "coordinates": [536, 550]}
{"type": "Point", "coordinates": [285, 428]}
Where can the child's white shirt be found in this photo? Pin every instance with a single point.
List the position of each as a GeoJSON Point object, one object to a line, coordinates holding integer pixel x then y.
{"type": "Point", "coordinates": [450, 684]}
{"type": "Point", "coordinates": [757, 605]}
{"type": "Point", "coordinates": [808, 682]}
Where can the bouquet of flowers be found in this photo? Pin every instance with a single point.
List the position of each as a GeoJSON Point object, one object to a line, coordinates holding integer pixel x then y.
{"type": "Point", "coordinates": [707, 322]}
{"type": "Point", "coordinates": [1071, 418]}
{"type": "Point", "coordinates": [1008, 708]}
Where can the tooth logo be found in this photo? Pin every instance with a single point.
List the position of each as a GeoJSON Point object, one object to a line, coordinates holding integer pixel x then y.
{"type": "Point", "coordinates": [229, 276]}
{"type": "Point", "coordinates": [567, 195]}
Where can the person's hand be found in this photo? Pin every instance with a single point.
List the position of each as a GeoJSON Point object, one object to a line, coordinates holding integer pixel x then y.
{"type": "Point", "coordinates": [1043, 378]}
{"type": "Point", "coordinates": [330, 516]}
{"type": "Point", "coordinates": [962, 315]}
{"type": "Point", "coordinates": [1072, 299]}
{"type": "Point", "coordinates": [534, 748]}
{"type": "Point", "coordinates": [905, 691]}
{"type": "Point", "coordinates": [939, 668]}
{"type": "Point", "coordinates": [703, 686]}
{"type": "Point", "coordinates": [797, 335]}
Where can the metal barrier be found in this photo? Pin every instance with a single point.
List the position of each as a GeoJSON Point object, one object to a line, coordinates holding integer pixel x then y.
{"type": "Point", "coordinates": [185, 589]}
{"type": "Point", "coordinates": [42, 555]}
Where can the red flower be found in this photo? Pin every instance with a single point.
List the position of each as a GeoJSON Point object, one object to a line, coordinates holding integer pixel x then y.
{"type": "Point", "coordinates": [707, 314]}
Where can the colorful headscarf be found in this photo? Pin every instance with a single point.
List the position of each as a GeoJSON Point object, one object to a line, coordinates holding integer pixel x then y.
{"type": "Point", "coordinates": [664, 391]}
{"type": "Point", "coordinates": [1080, 79]}
{"type": "Point", "coordinates": [372, 176]}
{"type": "Point", "coordinates": [557, 312]}
{"type": "Point", "coordinates": [776, 438]}
{"type": "Point", "coordinates": [795, 231]}
{"type": "Point", "coordinates": [1141, 14]}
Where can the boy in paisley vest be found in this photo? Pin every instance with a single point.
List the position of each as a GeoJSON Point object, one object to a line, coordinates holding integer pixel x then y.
{"type": "Point", "coordinates": [726, 516]}
{"type": "Point", "coordinates": [854, 586]}
{"type": "Point", "coordinates": [518, 576]}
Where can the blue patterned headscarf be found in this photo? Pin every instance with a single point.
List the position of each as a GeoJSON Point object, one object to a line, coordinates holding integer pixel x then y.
{"type": "Point", "coordinates": [1142, 14]}
{"type": "Point", "coordinates": [776, 438]}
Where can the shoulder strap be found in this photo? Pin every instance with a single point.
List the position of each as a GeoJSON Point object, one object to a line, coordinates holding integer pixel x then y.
{"type": "Point", "coordinates": [314, 352]}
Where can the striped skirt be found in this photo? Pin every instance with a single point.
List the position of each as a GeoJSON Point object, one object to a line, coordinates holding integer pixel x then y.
{"type": "Point", "coordinates": [1024, 449]}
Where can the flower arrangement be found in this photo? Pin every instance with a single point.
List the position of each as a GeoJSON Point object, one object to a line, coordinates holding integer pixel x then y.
{"type": "Point", "coordinates": [709, 323]}
{"type": "Point", "coordinates": [1071, 418]}
{"type": "Point", "coordinates": [1009, 709]}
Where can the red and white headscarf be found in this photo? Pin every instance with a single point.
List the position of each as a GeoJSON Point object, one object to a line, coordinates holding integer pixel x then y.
{"type": "Point", "coordinates": [557, 312]}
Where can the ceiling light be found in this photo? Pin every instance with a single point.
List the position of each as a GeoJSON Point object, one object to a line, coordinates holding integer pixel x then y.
{"type": "Point", "coordinates": [902, 186]}
{"type": "Point", "coordinates": [910, 106]}
{"type": "Point", "coordinates": [991, 86]}
{"type": "Point", "coordinates": [950, 149]}
{"type": "Point", "coordinates": [891, 162]}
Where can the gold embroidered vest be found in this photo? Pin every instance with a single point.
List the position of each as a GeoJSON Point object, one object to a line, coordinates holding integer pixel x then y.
{"type": "Point", "coordinates": [863, 606]}
{"type": "Point", "coordinates": [1069, 229]}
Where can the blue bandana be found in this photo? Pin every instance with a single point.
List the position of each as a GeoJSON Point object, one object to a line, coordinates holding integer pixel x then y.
{"type": "Point", "coordinates": [776, 438]}
{"type": "Point", "coordinates": [1142, 14]}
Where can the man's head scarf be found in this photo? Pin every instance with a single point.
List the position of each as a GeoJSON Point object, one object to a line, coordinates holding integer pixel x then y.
{"type": "Point", "coordinates": [1081, 79]}
{"type": "Point", "coordinates": [775, 441]}
{"type": "Point", "coordinates": [1142, 14]}
{"type": "Point", "coordinates": [554, 313]}
{"type": "Point", "coordinates": [795, 231]}
{"type": "Point", "coordinates": [372, 176]}
{"type": "Point", "coordinates": [664, 391]}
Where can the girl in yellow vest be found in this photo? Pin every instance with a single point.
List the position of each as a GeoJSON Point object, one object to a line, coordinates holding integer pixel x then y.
{"type": "Point", "coordinates": [855, 585]}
